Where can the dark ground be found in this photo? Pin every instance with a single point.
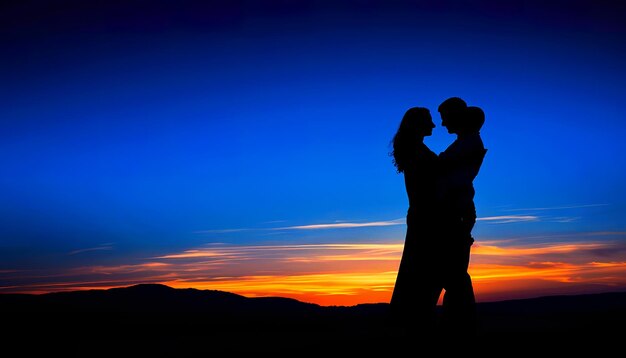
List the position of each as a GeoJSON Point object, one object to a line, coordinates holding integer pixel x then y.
{"type": "Point", "coordinates": [156, 320]}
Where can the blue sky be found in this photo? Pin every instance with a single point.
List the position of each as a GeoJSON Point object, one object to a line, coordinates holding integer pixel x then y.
{"type": "Point", "coordinates": [140, 129]}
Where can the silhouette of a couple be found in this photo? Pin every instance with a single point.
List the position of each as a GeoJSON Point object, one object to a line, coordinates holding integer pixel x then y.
{"type": "Point", "coordinates": [439, 221]}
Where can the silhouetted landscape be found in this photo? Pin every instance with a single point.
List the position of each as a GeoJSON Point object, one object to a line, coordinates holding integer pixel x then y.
{"type": "Point", "coordinates": [159, 318]}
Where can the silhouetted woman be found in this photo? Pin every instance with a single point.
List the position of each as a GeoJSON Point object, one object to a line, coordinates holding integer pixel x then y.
{"type": "Point", "coordinates": [414, 298]}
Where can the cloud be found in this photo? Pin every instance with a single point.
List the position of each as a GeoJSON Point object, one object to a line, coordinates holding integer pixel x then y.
{"type": "Point", "coordinates": [344, 225]}
{"type": "Point", "coordinates": [557, 207]}
{"type": "Point", "coordinates": [316, 252]}
{"type": "Point", "coordinates": [535, 250]}
{"type": "Point", "coordinates": [102, 247]}
{"type": "Point", "coordinates": [564, 219]}
{"type": "Point", "coordinates": [222, 231]}
{"type": "Point", "coordinates": [192, 254]}
{"type": "Point", "coordinates": [123, 269]}
{"type": "Point", "coordinates": [530, 216]}
{"type": "Point", "coordinates": [505, 219]}
{"type": "Point", "coordinates": [336, 225]}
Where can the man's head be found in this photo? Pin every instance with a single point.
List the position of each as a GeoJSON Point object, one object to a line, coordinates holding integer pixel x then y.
{"type": "Point", "coordinates": [452, 111]}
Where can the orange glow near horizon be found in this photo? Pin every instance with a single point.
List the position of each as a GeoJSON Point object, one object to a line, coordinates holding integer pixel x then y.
{"type": "Point", "coordinates": [349, 274]}
{"type": "Point", "coordinates": [339, 288]}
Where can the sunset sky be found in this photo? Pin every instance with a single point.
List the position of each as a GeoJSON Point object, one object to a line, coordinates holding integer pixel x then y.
{"type": "Point", "coordinates": [243, 145]}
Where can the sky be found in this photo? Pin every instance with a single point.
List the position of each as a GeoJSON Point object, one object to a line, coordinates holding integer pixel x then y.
{"type": "Point", "coordinates": [244, 146]}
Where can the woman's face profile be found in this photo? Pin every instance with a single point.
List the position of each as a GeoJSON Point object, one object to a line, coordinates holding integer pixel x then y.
{"type": "Point", "coordinates": [426, 126]}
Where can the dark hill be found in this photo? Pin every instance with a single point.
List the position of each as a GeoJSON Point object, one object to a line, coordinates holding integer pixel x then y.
{"type": "Point", "coordinates": [152, 298]}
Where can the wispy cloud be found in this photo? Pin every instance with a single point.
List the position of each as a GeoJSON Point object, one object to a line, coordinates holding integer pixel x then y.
{"type": "Point", "coordinates": [531, 214]}
{"type": "Point", "coordinates": [223, 231]}
{"type": "Point", "coordinates": [493, 250]}
{"type": "Point", "coordinates": [505, 219]}
{"type": "Point", "coordinates": [9, 271]}
{"type": "Point", "coordinates": [122, 269]}
{"type": "Point", "coordinates": [103, 247]}
{"type": "Point", "coordinates": [192, 254]}
{"type": "Point", "coordinates": [343, 225]}
{"type": "Point", "coordinates": [556, 271]}
{"type": "Point", "coordinates": [556, 207]}
{"type": "Point", "coordinates": [563, 219]}
{"type": "Point", "coordinates": [321, 252]}
{"type": "Point", "coordinates": [339, 224]}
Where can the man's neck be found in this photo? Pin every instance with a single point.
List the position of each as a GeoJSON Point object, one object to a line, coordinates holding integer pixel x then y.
{"type": "Point", "coordinates": [465, 135]}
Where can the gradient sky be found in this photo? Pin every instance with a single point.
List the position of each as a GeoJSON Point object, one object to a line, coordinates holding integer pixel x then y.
{"type": "Point", "coordinates": [243, 145]}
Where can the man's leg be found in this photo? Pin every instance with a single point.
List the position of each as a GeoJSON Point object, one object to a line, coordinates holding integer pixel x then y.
{"type": "Point", "coordinates": [459, 302]}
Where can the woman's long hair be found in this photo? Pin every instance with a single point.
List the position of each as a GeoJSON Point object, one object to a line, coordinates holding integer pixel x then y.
{"type": "Point", "coordinates": [405, 141]}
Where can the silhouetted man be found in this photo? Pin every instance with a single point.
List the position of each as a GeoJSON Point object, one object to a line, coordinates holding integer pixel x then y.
{"type": "Point", "coordinates": [459, 165]}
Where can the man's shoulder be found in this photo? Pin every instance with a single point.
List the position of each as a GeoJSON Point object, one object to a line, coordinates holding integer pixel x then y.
{"type": "Point", "coordinates": [472, 141]}
{"type": "Point", "coordinates": [463, 147]}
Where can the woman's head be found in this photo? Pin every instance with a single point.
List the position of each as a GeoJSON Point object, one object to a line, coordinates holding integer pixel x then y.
{"type": "Point", "coordinates": [416, 124]}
